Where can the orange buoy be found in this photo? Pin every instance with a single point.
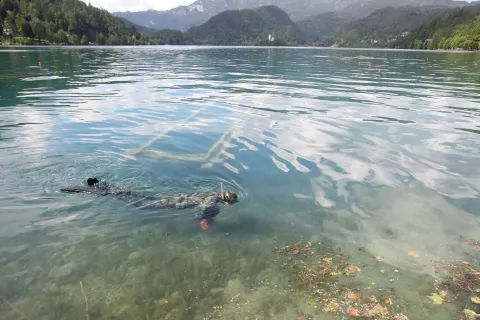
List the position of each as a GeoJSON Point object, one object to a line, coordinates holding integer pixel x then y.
{"type": "Point", "coordinates": [476, 64]}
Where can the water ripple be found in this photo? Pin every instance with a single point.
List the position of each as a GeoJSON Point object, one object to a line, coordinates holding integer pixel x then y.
{"type": "Point", "coordinates": [314, 141]}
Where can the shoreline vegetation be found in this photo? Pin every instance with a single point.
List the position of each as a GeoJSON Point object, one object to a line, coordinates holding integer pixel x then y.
{"type": "Point", "coordinates": [72, 22]}
{"type": "Point", "coordinates": [36, 42]}
{"type": "Point", "coordinates": [93, 45]}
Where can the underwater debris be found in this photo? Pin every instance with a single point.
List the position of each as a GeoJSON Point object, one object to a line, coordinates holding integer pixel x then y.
{"type": "Point", "coordinates": [469, 315]}
{"type": "Point", "coordinates": [353, 312]}
{"type": "Point", "coordinates": [331, 306]}
{"type": "Point", "coordinates": [458, 276]}
{"type": "Point", "coordinates": [400, 316]}
{"type": "Point", "coordinates": [87, 314]}
{"type": "Point", "coordinates": [471, 242]}
{"type": "Point", "coordinates": [318, 274]}
{"type": "Point", "coordinates": [475, 299]}
{"type": "Point", "coordinates": [352, 270]}
{"type": "Point", "coordinates": [437, 299]}
{"type": "Point", "coordinates": [376, 311]}
{"type": "Point", "coordinates": [352, 296]}
{"type": "Point", "coordinates": [413, 254]}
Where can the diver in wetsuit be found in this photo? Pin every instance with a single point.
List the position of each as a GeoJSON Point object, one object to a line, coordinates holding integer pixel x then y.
{"type": "Point", "coordinates": [207, 203]}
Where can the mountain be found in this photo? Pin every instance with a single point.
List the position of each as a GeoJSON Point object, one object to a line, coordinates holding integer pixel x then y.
{"type": "Point", "coordinates": [322, 28]}
{"type": "Point", "coordinates": [138, 28]}
{"type": "Point", "coordinates": [61, 21]}
{"type": "Point", "coordinates": [365, 8]}
{"type": "Point", "coordinates": [180, 18]}
{"type": "Point", "coordinates": [454, 29]}
{"type": "Point", "coordinates": [200, 11]}
{"type": "Point", "coordinates": [383, 26]}
{"type": "Point", "coordinates": [248, 27]}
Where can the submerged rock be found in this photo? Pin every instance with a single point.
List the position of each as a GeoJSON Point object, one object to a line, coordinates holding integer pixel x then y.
{"type": "Point", "coordinates": [400, 316]}
{"type": "Point", "coordinates": [234, 289]}
{"type": "Point", "coordinates": [134, 255]}
{"type": "Point", "coordinates": [61, 271]}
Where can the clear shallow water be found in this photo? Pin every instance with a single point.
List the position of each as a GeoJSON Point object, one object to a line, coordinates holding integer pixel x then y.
{"type": "Point", "coordinates": [320, 149]}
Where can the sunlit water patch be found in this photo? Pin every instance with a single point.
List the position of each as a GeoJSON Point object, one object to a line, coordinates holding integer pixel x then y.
{"type": "Point", "coordinates": [371, 158]}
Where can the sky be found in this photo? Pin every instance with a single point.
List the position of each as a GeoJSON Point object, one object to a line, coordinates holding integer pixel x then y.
{"type": "Point", "coordinates": [138, 5]}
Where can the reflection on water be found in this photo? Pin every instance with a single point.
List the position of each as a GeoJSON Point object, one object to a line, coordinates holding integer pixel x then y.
{"type": "Point", "coordinates": [320, 148]}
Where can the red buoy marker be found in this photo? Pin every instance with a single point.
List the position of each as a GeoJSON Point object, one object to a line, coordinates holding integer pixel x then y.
{"type": "Point", "coordinates": [379, 70]}
{"type": "Point", "coordinates": [369, 66]}
{"type": "Point", "coordinates": [476, 64]}
{"type": "Point", "coordinates": [40, 63]}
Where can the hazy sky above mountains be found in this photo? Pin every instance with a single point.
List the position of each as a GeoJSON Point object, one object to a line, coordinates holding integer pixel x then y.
{"type": "Point", "coordinates": [139, 5]}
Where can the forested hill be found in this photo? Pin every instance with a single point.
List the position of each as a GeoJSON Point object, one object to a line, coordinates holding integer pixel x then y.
{"type": "Point", "coordinates": [248, 27]}
{"type": "Point", "coordinates": [61, 22]}
{"type": "Point", "coordinates": [454, 29]}
{"type": "Point", "coordinates": [323, 28]}
{"type": "Point", "coordinates": [382, 27]}
{"type": "Point", "coordinates": [413, 27]}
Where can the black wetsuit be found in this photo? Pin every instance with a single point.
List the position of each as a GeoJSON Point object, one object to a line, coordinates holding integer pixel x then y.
{"type": "Point", "coordinates": [206, 203]}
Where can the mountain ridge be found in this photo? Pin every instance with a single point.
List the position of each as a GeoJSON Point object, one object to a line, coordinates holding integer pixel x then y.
{"type": "Point", "coordinates": [248, 27]}
{"type": "Point", "coordinates": [198, 12]}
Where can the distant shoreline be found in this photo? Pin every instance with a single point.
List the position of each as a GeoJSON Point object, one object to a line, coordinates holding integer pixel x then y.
{"type": "Point", "coordinates": [232, 46]}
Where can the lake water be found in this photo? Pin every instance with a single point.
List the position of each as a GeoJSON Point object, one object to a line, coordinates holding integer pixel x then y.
{"type": "Point", "coordinates": [382, 163]}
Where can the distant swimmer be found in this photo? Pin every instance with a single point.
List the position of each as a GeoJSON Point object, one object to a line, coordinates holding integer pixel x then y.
{"type": "Point", "coordinates": [206, 203]}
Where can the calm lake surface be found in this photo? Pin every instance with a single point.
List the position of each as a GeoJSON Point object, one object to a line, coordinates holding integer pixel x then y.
{"type": "Point", "coordinates": [382, 163]}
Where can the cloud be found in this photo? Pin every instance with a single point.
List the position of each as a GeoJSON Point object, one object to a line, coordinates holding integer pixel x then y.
{"type": "Point", "coordinates": [140, 5]}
